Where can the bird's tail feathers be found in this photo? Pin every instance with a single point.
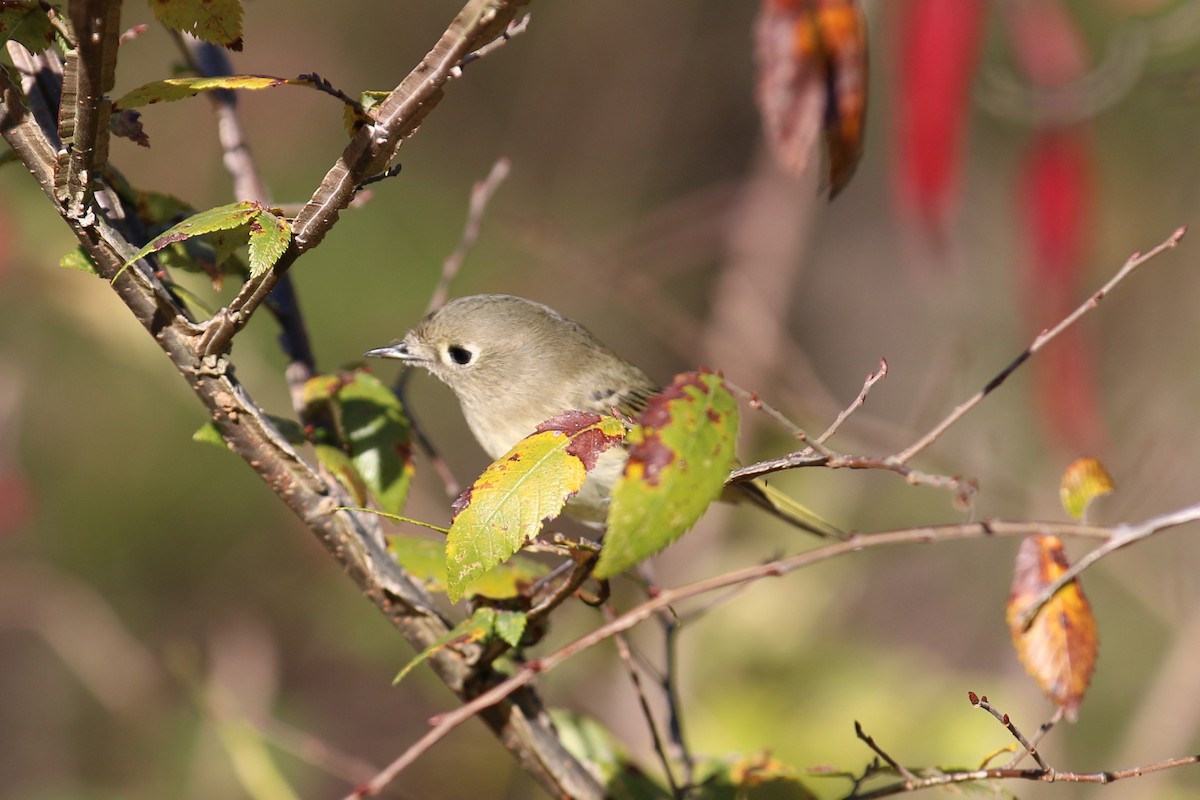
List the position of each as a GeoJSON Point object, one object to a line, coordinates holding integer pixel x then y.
{"type": "Point", "coordinates": [784, 507]}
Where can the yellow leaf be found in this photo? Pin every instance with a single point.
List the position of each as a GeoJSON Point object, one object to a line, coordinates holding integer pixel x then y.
{"type": "Point", "coordinates": [1082, 482]}
{"type": "Point", "coordinates": [1059, 649]}
{"type": "Point", "coordinates": [506, 506]}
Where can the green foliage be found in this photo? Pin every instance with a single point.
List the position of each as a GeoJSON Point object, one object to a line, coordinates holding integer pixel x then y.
{"type": "Point", "coordinates": [215, 21]}
{"type": "Point", "coordinates": [680, 454]}
{"type": "Point", "coordinates": [507, 504]}
{"type": "Point", "coordinates": [250, 221]}
{"type": "Point", "coordinates": [78, 259]}
{"type": "Point", "coordinates": [378, 436]}
{"type": "Point", "coordinates": [26, 23]}
{"type": "Point", "coordinates": [425, 559]}
{"type": "Point", "coordinates": [485, 625]}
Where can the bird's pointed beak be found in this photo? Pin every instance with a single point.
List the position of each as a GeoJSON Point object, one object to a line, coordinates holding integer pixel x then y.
{"type": "Point", "coordinates": [394, 350]}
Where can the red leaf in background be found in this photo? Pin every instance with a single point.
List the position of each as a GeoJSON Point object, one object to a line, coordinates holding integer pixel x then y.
{"type": "Point", "coordinates": [939, 42]}
{"type": "Point", "coordinates": [1055, 201]}
{"type": "Point", "coordinates": [16, 503]}
{"type": "Point", "coordinates": [811, 57]}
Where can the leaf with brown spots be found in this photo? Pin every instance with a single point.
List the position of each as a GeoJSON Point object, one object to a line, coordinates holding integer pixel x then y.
{"type": "Point", "coordinates": [215, 21]}
{"type": "Point", "coordinates": [1059, 649]}
{"type": "Point", "coordinates": [680, 454]}
{"type": "Point", "coordinates": [506, 506]}
{"type": "Point", "coordinates": [812, 77]}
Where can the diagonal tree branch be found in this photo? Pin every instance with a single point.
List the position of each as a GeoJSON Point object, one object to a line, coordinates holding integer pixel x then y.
{"type": "Point", "coordinates": [353, 540]}
{"type": "Point", "coordinates": [369, 152]}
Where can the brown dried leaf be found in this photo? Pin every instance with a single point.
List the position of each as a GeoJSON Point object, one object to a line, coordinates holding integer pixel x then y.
{"type": "Point", "coordinates": [1059, 649]}
{"type": "Point", "coordinates": [812, 76]}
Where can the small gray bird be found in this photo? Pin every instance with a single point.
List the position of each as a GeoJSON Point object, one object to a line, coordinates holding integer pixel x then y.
{"type": "Point", "coordinates": [514, 363]}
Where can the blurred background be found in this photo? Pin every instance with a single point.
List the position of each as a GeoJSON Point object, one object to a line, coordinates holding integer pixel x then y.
{"type": "Point", "coordinates": [160, 605]}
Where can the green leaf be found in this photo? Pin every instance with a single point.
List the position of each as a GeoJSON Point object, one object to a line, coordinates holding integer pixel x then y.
{"type": "Point", "coordinates": [368, 100]}
{"type": "Point", "coordinates": [510, 626]}
{"type": "Point", "coordinates": [342, 467]}
{"type": "Point", "coordinates": [379, 438]}
{"type": "Point", "coordinates": [508, 503]}
{"type": "Point", "coordinates": [26, 23]}
{"type": "Point", "coordinates": [80, 260]}
{"type": "Point", "coordinates": [221, 218]}
{"type": "Point", "coordinates": [215, 21]}
{"type": "Point", "coordinates": [425, 559]}
{"type": "Point", "coordinates": [679, 456]}
{"type": "Point", "coordinates": [289, 429]}
{"type": "Point", "coordinates": [1083, 481]}
{"type": "Point", "coordinates": [209, 433]}
{"type": "Point", "coordinates": [481, 626]}
{"type": "Point", "coordinates": [172, 89]}
{"type": "Point", "coordinates": [269, 237]}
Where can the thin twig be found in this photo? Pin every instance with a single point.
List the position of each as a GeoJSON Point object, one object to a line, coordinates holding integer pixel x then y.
{"type": "Point", "coordinates": [1045, 337]}
{"type": "Point", "coordinates": [872, 379]}
{"type": "Point", "coordinates": [1043, 729]}
{"type": "Point", "coordinates": [1122, 536]}
{"type": "Point", "coordinates": [445, 723]}
{"type": "Point", "coordinates": [481, 195]}
{"type": "Point", "coordinates": [515, 28]}
{"type": "Point", "coordinates": [902, 770]}
{"type": "Point", "coordinates": [982, 702]}
{"type": "Point", "coordinates": [670, 686]}
{"type": "Point", "coordinates": [636, 679]}
{"type": "Point", "coordinates": [1041, 776]}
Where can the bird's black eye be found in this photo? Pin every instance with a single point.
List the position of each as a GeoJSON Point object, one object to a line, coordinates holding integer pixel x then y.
{"type": "Point", "coordinates": [459, 355]}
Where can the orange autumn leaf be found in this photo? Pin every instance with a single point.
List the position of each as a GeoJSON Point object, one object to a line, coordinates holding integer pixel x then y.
{"type": "Point", "coordinates": [1059, 648]}
{"type": "Point", "coordinates": [811, 57]}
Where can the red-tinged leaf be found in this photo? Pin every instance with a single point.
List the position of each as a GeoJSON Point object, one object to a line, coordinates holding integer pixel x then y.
{"type": "Point", "coordinates": [1082, 482]}
{"type": "Point", "coordinates": [1059, 649]}
{"type": "Point", "coordinates": [506, 506]}
{"type": "Point", "coordinates": [680, 453]}
{"type": "Point", "coordinates": [939, 45]}
{"type": "Point", "coordinates": [1048, 45]}
{"type": "Point", "coordinates": [811, 58]}
{"type": "Point", "coordinates": [215, 21]}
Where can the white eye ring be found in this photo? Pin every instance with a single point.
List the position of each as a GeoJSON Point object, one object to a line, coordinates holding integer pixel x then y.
{"type": "Point", "coordinates": [460, 355]}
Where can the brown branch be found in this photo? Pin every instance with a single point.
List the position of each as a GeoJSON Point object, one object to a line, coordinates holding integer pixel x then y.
{"type": "Point", "coordinates": [369, 152]}
{"type": "Point", "coordinates": [445, 723]}
{"type": "Point", "coordinates": [84, 111]}
{"type": "Point", "coordinates": [1028, 748]}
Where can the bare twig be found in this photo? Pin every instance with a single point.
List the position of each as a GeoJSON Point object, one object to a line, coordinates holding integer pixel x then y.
{"type": "Point", "coordinates": [445, 723]}
{"type": "Point", "coordinates": [872, 379]}
{"type": "Point", "coordinates": [1043, 729]}
{"type": "Point", "coordinates": [1041, 776]}
{"type": "Point", "coordinates": [1122, 536]}
{"type": "Point", "coordinates": [1045, 337]}
{"type": "Point", "coordinates": [636, 679]}
{"type": "Point", "coordinates": [481, 195]}
{"type": "Point", "coordinates": [909, 778]}
{"type": "Point", "coordinates": [1030, 749]}
{"type": "Point", "coordinates": [514, 29]}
